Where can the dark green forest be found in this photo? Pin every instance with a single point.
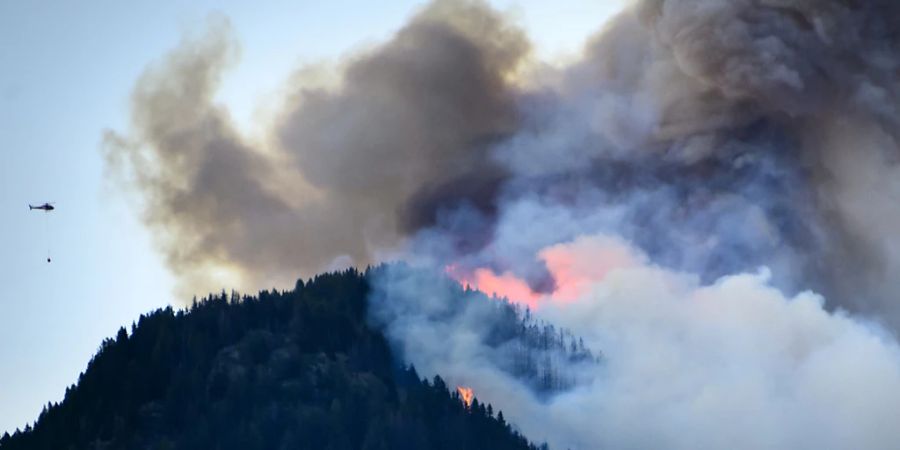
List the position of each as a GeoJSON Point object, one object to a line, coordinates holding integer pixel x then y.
{"type": "Point", "coordinates": [301, 369]}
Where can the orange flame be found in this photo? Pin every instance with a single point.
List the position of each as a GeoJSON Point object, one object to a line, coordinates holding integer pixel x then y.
{"type": "Point", "coordinates": [467, 395]}
{"type": "Point", "coordinates": [575, 266]}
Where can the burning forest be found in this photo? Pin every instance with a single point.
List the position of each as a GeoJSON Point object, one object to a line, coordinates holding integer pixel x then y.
{"type": "Point", "coordinates": [466, 395]}
{"type": "Point", "coordinates": [690, 233]}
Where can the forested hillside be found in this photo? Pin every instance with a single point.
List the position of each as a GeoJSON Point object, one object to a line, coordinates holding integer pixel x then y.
{"type": "Point", "coordinates": [283, 370]}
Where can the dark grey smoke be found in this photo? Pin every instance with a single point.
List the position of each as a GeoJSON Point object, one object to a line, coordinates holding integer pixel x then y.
{"type": "Point", "coordinates": [823, 76]}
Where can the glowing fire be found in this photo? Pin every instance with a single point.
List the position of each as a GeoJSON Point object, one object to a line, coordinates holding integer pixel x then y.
{"type": "Point", "coordinates": [504, 285]}
{"type": "Point", "coordinates": [467, 395]}
{"type": "Point", "coordinates": [575, 266]}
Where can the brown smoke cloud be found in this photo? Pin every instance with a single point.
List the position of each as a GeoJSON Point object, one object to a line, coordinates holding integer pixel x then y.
{"type": "Point", "coordinates": [408, 119]}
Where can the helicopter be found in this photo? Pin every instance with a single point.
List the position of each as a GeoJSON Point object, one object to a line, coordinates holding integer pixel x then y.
{"type": "Point", "coordinates": [46, 207]}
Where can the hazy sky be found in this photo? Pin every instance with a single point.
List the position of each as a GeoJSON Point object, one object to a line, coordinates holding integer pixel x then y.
{"type": "Point", "coordinates": [68, 68]}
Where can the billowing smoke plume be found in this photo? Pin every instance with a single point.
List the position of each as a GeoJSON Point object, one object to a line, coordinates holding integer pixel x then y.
{"type": "Point", "coordinates": [674, 196]}
{"type": "Point", "coordinates": [350, 169]}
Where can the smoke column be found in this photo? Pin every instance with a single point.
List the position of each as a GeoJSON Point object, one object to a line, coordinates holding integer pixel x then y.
{"type": "Point", "coordinates": [710, 196]}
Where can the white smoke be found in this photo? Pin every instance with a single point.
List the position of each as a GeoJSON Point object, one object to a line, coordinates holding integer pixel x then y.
{"type": "Point", "coordinates": [732, 364]}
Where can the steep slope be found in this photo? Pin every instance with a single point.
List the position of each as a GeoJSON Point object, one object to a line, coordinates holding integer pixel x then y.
{"type": "Point", "coordinates": [291, 370]}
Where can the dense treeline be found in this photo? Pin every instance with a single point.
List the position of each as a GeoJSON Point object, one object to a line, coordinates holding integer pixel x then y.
{"type": "Point", "coordinates": [282, 370]}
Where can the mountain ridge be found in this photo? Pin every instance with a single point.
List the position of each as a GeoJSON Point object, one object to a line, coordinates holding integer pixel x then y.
{"type": "Point", "coordinates": [295, 369]}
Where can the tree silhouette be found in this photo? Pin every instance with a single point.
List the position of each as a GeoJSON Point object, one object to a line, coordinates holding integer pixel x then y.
{"type": "Point", "coordinates": [300, 369]}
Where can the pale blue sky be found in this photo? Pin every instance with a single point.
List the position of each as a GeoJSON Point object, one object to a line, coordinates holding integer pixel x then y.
{"type": "Point", "coordinates": [67, 70]}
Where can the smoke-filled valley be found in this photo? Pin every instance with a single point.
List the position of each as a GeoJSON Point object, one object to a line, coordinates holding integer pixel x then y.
{"type": "Point", "coordinates": [709, 198]}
